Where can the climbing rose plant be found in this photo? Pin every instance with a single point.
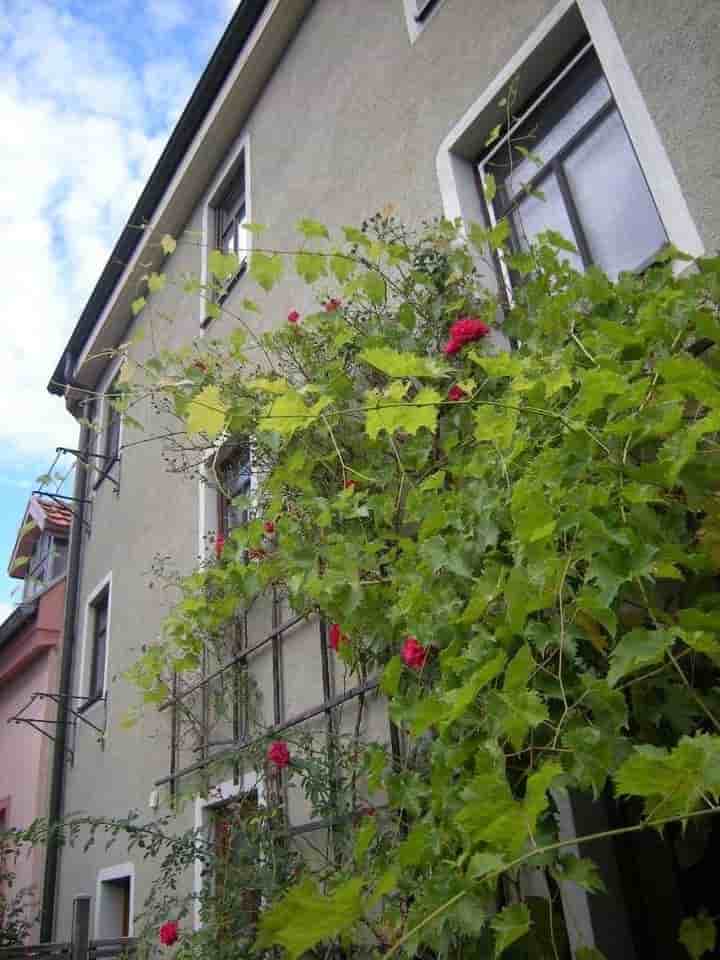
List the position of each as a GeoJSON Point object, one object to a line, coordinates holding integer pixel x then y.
{"type": "Point", "coordinates": [514, 513]}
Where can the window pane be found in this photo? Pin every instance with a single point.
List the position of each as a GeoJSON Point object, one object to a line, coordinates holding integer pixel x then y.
{"type": "Point", "coordinates": [566, 127]}
{"type": "Point", "coordinates": [619, 218]}
{"type": "Point", "coordinates": [97, 681]}
{"type": "Point", "coordinates": [533, 215]}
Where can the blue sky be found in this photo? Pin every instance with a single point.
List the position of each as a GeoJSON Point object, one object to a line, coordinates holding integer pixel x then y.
{"type": "Point", "coordinates": [89, 92]}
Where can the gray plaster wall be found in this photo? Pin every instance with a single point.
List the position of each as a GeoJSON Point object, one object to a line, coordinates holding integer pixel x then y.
{"type": "Point", "coordinates": [351, 119]}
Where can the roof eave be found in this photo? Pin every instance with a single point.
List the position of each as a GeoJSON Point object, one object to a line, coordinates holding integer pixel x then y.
{"type": "Point", "coordinates": [231, 43]}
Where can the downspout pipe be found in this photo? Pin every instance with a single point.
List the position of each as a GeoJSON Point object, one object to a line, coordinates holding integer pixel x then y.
{"type": "Point", "coordinates": [57, 775]}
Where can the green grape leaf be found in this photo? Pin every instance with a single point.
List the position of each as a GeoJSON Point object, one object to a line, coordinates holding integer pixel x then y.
{"type": "Point", "coordinates": [675, 782]}
{"type": "Point", "coordinates": [580, 870]}
{"type": "Point", "coordinates": [266, 269]}
{"type": "Point", "coordinates": [310, 266]}
{"type": "Point", "coordinates": [156, 282]}
{"type": "Point", "coordinates": [364, 837]}
{"type": "Point", "coordinates": [396, 364]}
{"type": "Point", "coordinates": [509, 925]}
{"type": "Point", "coordinates": [137, 305]}
{"type": "Point", "coordinates": [289, 412]}
{"type": "Point", "coordinates": [698, 935]}
{"type": "Point", "coordinates": [638, 648]}
{"type": "Point", "coordinates": [305, 917]}
{"type": "Point", "coordinates": [342, 266]}
{"type": "Point", "coordinates": [387, 411]}
{"type": "Point", "coordinates": [312, 229]}
{"type": "Point", "coordinates": [391, 676]}
{"type": "Point", "coordinates": [489, 187]}
{"type": "Point", "coordinates": [206, 413]}
{"type": "Point", "coordinates": [223, 265]}
{"type": "Point", "coordinates": [374, 286]}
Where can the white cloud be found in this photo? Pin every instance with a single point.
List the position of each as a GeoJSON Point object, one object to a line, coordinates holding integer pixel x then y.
{"type": "Point", "coordinates": [170, 14]}
{"type": "Point", "coordinates": [83, 123]}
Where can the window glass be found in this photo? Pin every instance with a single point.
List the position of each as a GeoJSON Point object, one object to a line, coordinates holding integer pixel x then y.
{"type": "Point", "coordinates": [99, 648]}
{"type": "Point", "coordinates": [557, 137]}
{"type": "Point", "coordinates": [235, 481]}
{"type": "Point", "coordinates": [533, 214]}
{"type": "Point", "coordinates": [112, 427]}
{"type": "Point", "coordinates": [619, 219]}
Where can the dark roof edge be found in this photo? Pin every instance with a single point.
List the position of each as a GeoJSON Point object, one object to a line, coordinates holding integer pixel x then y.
{"type": "Point", "coordinates": [21, 615]}
{"type": "Point", "coordinates": [231, 43]}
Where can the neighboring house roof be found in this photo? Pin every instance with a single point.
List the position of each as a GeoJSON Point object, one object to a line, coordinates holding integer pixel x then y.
{"type": "Point", "coordinates": [231, 43]}
{"type": "Point", "coordinates": [21, 615]}
{"type": "Point", "coordinates": [40, 514]}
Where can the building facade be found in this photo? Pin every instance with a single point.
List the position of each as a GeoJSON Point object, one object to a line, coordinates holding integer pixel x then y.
{"type": "Point", "coordinates": [333, 109]}
{"type": "Point", "coordinates": [30, 640]}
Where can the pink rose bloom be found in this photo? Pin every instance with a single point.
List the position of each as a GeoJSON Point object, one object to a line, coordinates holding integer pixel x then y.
{"type": "Point", "coordinates": [456, 393]}
{"type": "Point", "coordinates": [293, 317]}
{"type": "Point", "coordinates": [337, 637]}
{"type": "Point", "coordinates": [278, 753]}
{"type": "Point", "coordinates": [169, 933]}
{"type": "Point", "coordinates": [465, 330]}
{"type": "Point", "coordinates": [414, 654]}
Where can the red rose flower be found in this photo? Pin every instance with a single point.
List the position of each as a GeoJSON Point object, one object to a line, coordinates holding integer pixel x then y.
{"type": "Point", "coordinates": [169, 933]}
{"type": "Point", "coordinates": [337, 637]}
{"type": "Point", "coordinates": [332, 305]}
{"type": "Point", "coordinates": [456, 393]}
{"type": "Point", "coordinates": [414, 654]}
{"type": "Point", "coordinates": [278, 753]}
{"type": "Point", "coordinates": [349, 484]}
{"type": "Point", "coordinates": [219, 545]}
{"type": "Point", "coordinates": [293, 317]}
{"type": "Point", "coordinates": [269, 527]}
{"type": "Point", "coordinates": [463, 331]}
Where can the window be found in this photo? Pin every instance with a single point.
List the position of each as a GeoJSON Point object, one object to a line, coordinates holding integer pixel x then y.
{"type": "Point", "coordinates": [98, 649]}
{"type": "Point", "coordinates": [237, 903]}
{"type": "Point", "coordinates": [230, 214]}
{"type": "Point", "coordinates": [114, 902]}
{"type": "Point", "coordinates": [111, 445]}
{"type": "Point", "coordinates": [48, 561]}
{"type": "Point", "coordinates": [582, 177]}
{"type": "Point", "coordinates": [235, 480]}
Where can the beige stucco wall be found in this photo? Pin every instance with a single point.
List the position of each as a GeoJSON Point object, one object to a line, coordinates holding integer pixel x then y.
{"type": "Point", "coordinates": [351, 119]}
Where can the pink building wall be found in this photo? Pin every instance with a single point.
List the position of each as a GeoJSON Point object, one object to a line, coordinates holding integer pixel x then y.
{"type": "Point", "coordinates": [28, 664]}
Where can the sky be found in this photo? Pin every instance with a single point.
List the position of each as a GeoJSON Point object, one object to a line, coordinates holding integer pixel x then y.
{"type": "Point", "coordinates": [89, 93]}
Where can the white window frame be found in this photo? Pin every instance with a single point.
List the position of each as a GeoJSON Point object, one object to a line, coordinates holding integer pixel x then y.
{"type": "Point", "coordinates": [86, 655]}
{"type": "Point", "coordinates": [414, 26]}
{"type": "Point", "coordinates": [217, 797]}
{"type": "Point", "coordinates": [117, 872]}
{"type": "Point", "coordinates": [456, 169]}
{"type": "Point", "coordinates": [221, 182]}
